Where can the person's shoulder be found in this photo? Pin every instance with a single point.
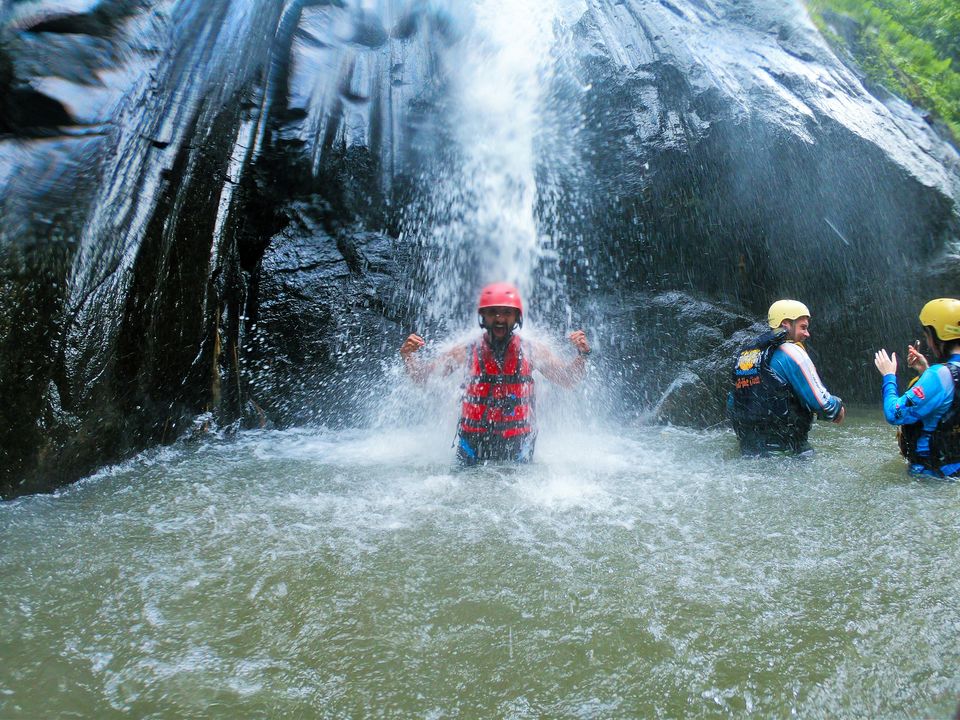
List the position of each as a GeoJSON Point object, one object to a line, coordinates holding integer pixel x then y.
{"type": "Point", "coordinates": [530, 347]}
{"type": "Point", "coordinates": [536, 352]}
{"type": "Point", "coordinates": [460, 351]}
{"type": "Point", "coordinates": [937, 375]}
{"type": "Point", "coordinates": [933, 385]}
{"type": "Point", "coordinates": [792, 352]}
{"type": "Point", "coordinates": [528, 343]}
{"type": "Point", "coordinates": [934, 372]}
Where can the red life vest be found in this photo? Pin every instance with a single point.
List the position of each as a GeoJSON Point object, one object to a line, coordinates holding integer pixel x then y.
{"type": "Point", "coordinates": [497, 400]}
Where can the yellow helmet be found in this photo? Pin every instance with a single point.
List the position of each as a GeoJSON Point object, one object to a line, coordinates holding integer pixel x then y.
{"type": "Point", "coordinates": [786, 310]}
{"type": "Point", "coordinates": [943, 315]}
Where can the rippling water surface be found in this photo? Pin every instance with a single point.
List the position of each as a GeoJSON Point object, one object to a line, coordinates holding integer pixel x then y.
{"type": "Point", "coordinates": [628, 573]}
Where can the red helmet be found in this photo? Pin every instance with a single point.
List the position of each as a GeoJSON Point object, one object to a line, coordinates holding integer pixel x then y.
{"type": "Point", "coordinates": [501, 294]}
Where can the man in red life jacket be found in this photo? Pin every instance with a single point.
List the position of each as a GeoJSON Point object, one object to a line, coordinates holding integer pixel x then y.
{"type": "Point", "coordinates": [497, 419]}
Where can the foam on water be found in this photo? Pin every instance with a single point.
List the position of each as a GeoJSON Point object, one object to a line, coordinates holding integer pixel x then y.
{"type": "Point", "coordinates": [628, 571]}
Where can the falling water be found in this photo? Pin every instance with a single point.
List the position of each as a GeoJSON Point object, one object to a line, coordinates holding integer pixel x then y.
{"type": "Point", "coordinates": [493, 194]}
{"type": "Point", "coordinates": [483, 219]}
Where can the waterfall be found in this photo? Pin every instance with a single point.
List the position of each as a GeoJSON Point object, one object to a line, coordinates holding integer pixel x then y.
{"type": "Point", "coordinates": [483, 219]}
{"type": "Point", "coordinates": [492, 185]}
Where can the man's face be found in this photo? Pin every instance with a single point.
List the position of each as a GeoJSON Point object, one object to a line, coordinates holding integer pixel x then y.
{"type": "Point", "coordinates": [797, 330]}
{"type": "Point", "coordinates": [499, 320]}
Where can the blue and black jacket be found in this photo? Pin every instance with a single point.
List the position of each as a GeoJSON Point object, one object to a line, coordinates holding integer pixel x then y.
{"type": "Point", "coordinates": [929, 413]}
{"type": "Point", "coordinates": [777, 392]}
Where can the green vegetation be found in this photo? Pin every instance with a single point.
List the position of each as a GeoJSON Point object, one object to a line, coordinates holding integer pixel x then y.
{"type": "Point", "coordinates": [911, 47]}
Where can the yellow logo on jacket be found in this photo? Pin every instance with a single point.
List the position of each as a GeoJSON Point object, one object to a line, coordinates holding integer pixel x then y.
{"type": "Point", "coordinates": [748, 359]}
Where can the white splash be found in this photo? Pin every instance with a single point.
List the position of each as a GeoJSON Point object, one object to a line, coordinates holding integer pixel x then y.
{"type": "Point", "coordinates": [499, 76]}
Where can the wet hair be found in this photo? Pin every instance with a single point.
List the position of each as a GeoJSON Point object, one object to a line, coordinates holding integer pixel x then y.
{"type": "Point", "coordinates": [942, 348]}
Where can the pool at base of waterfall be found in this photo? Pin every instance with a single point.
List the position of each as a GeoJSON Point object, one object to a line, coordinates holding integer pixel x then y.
{"type": "Point", "coordinates": [629, 572]}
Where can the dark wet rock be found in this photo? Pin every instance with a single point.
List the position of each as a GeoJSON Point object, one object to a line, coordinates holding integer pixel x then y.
{"type": "Point", "coordinates": [731, 153]}
{"type": "Point", "coordinates": [408, 25]}
{"type": "Point", "coordinates": [327, 316]}
{"type": "Point", "coordinates": [33, 114]}
{"type": "Point", "coordinates": [101, 19]}
{"type": "Point", "coordinates": [689, 401]}
{"type": "Point", "coordinates": [669, 354]}
{"type": "Point", "coordinates": [74, 59]}
{"type": "Point", "coordinates": [118, 346]}
{"type": "Point", "coordinates": [368, 31]}
{"type": "Point", "coordinates": [697, 396]}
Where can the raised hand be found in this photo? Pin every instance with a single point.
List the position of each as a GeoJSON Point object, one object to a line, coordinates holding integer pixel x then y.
{"type": "Point", "coordinates": [886, 364]}
{"type": "Point", "coordinates": [916, 360]}
{"type": "Point", "coordinates": [411, 344]}
{"type": "Point", "coordinates": [579, 340]}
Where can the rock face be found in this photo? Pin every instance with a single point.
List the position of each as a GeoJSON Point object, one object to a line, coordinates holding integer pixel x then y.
{"type": "Point", "coordinates": [735, 158]}
{"type": "Point", "coordinates": [206, 206]}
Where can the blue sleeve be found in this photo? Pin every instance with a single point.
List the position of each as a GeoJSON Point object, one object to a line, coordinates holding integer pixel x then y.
{"type": "Point", "coordinates": [916, 404]}
{"type": "Point", "coordinates": [792, 365]}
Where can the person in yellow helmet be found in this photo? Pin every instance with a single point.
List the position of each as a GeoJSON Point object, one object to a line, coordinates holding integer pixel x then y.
{"type": "Point", "coordinates": [929, 411]}
{"type": "Point", "coordinates": [776, 388]}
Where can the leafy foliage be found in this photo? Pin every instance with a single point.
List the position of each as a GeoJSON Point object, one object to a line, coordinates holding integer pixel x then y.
{"type": "Point", "coordinates": [912, 47]}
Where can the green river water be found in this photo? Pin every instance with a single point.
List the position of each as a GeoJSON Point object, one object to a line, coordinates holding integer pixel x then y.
{"type": "Point", "coordinates": [631, 573]}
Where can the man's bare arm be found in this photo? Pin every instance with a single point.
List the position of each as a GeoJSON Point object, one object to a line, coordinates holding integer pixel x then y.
{"type": "Point", "coordinates": [419, 370]}
{"type": "Point", "coordinates": [564, 374]}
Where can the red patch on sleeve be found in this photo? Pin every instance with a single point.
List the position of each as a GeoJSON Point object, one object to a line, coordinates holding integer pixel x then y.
{"type": "Point", "coordinates": [918, 391]}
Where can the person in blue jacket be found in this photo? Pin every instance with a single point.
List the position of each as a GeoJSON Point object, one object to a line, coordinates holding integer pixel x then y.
{"type": "Point", "coordinates": [776, 388]}
{"type": "Point", "coordinates": [928, 413]}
